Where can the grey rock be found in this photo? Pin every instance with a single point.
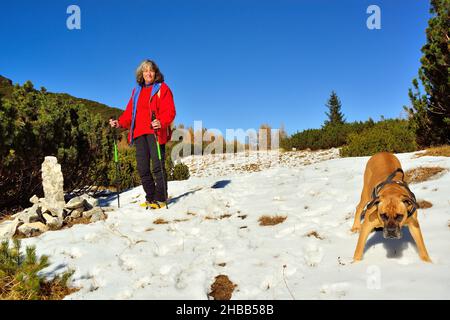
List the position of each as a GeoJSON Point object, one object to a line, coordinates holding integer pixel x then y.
{"type": "Point", "coordinates": [90, 201]}
{"type": "Point", "coordinates": [8, 229]}
{"type": "Point", "coordinates": [29, 215]}
{"type": "Point", "coordinates": [75, 203]}
{"type": "Point", "coordinates": [90, 213]}
{"type": "Point", "coordinates": [32, 229]}
{"type": "Point", "coordinates": [97, 216]}
{"type": "Point", "coordinates": [34, 199]}
{"type": "Point", "coordinates": [53, 182]}
{"type": "Point", "coordinates": [53, 222]}
{"type": "Point", "coordinates": [76, 213]}
{"type": "Point", "coordinates": [56, 212]}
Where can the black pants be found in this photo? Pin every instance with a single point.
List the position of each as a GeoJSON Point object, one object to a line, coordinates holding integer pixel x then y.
{"type": "Point", "coordinates": [146, 150]}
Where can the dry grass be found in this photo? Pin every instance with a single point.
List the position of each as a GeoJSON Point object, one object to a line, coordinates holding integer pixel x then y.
{"type": "Point", "coordinates": [442, 151]}
{"type": "Point", "coordinates": [222, 288]}
{"type": "Point", "coordinates": [271, 221]}
{"type": "Point", "coordinates": [253, 167]}
{"type": "Point", "coordinates": [81, 220]}
{"type": "Point", "coordinates": [55, 291]}
{"type": "Point", "coordinates": [314, 234]}
{"type": "Point", "coordinates": [423, 204]}
{"type": "Point", "coordinates": [21, 277]}
{"type": "Point", "coordinates": [180, 220]}
{"type": "Point", "coordinates": [160, 221]}
{"type": "Point", "coordinates": [51, 290]}
{"type": "Point", "coordinates": [225, 216]}
{"type": "Point", "coordinates": [421, 174]}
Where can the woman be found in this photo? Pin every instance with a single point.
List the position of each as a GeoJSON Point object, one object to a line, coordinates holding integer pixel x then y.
{"type": "Point", "coordinates": [151, 98]}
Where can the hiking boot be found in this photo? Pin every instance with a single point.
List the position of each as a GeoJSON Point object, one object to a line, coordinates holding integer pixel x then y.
{"type": "Point", "coordinates": [156, 205]}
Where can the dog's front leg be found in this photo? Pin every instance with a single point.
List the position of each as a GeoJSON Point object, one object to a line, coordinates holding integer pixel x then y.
{"type": "Point", "coordinates": [366, 229]}
{"type": "Point", "coordinates": [414, 229]}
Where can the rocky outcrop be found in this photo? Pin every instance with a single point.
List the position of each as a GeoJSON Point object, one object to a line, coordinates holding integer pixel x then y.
{"type": "Point", "coordinates": [51, 212]}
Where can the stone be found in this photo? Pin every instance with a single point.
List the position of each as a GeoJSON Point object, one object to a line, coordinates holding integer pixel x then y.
{"type": "Point", "coordinates": [29, 215]}
{"type": "Point", "coordinates": [75, 203]}
{"type": "Point", "coordinates": [68, 219]}
{"type": "Point", "coordinates": [53, 182]}
{"type": "Point", "coordinates": [76, 213]}
{"type": "Point", "coordinates": [90, 213]}
{"type": "Point", "coordinates": [32, 229]}
{"type": "Point", "coordinates": [56, 212]}
{"type": "Point", "coordinates": [34, 199]}
{"type": "Point", "coordinates": [8, 229]}
{"type": "Point", "coordinates": [53, 222]}
{"type": "Point", "coordinates": [97, 216]}
{"type": "Point", "coordinates": [91, 202]}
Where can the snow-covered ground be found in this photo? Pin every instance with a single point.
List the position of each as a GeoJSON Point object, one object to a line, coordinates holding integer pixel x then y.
{"type": "Point", "coordinates": [213, 229]}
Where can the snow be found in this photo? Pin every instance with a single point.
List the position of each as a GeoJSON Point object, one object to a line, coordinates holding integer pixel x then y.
{"type": "Point", "coordinates": [127, 256]}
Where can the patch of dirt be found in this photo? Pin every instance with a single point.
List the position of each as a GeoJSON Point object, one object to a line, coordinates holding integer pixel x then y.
{"type": "Point", "coordinates": [225, 216]}
{"type": "Point", "coordinates": [423, 204]}
{"type": "Point", "coordinates": [243, 216]}
{"type": "Point", "coordinates": [442, 151]}
{"type": "Point", "coordinates": [253, 167]}
{"type": "Point", "coordinates": [180, 220]}
{"type": "Point", "coordinates": [5, 218]}
{"type": "Point", "coordinates": [243, 227]}
{"type": "Point", "coordinates": [340, 262]}
{"type": "Point", "coordinates": [81, 220]}
{"type": "Point", "coordinates": [149, 229]}
{"type": "Point", "coordinates": [222, 288]}
{"type": "Point", "coordinates": [314, 234]}
{"type": "Point", "coordinates": [422, 174]}
{"type": "Point", "coordinates": [160, 221]}
{"type": "Point", "coordinates": [223, 264]}
{"type": "Point", "coordinates": [271, 221]}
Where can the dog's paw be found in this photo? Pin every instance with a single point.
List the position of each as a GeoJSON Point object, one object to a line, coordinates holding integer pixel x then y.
{"type": "Point", "coordinates": [355, 229]}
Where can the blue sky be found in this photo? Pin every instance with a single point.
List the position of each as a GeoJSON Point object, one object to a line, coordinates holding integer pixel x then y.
{"type": "Point", "coordinates": [229, 63]}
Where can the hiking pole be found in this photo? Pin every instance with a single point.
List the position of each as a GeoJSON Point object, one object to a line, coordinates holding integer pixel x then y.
{"type": "Point", "coordinates": [116, 160]}
{"type": "Point", "coordinates": [160, 162]}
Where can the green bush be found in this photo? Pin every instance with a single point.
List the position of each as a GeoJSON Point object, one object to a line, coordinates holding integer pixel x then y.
{"type": "Point", "coordinates": [129, 176]}
{"type": "Point", "coordinates": [35, 124]}
{"type": "Point", "coordinates": [329, 136]}
{"type": "Point", "coordinates": [388, 135]}
{"type": "Point", "coordinates": [181, 172]}
{"type": "Point", "coordinates": [20, 277]}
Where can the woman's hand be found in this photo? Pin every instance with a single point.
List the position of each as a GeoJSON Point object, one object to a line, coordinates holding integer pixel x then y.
{"type": "Point", "coordinates": [156, 124]}
{"type": "Point", "coordinates": [114, 123]}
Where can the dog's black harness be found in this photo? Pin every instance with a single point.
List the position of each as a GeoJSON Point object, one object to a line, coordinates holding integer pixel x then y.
{"type": "Point", "coordinates": [376, 190]}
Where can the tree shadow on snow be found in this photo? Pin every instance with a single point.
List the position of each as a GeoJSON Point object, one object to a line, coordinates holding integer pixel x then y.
{"type": "Point", "coordinates": [176, 199]}
{"type": "Point", "coordinates": [394, 247]}
{"type": "Point", "coordinates": [221, 184]}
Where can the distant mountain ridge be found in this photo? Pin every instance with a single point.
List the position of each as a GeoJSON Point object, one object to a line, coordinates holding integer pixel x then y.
{"type": "Point", "coordinates": [106, 112]}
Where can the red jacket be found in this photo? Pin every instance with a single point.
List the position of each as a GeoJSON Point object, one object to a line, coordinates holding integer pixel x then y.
{"type": "Point", "coordinates": [164, 107]}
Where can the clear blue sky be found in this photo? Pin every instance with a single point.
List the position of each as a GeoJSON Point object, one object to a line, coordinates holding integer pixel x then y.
{"type": "Point", "coordinates": [230, 63]}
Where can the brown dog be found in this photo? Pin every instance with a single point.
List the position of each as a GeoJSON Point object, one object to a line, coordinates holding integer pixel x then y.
{"type": "Point", "coordinates": [386, 202]}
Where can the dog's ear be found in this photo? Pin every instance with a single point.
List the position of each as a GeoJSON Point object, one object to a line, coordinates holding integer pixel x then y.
{"type": "Point", "coordinates": [408, 202]}
{"type": "Point", "coordinates": [374, 202]}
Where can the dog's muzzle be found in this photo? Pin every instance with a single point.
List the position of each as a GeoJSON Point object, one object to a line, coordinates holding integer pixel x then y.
{"type": "Point", "coordinates": [392, 233]}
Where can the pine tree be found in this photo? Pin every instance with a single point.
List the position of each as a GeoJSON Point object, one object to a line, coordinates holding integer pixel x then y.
{"type": "Point", "coordinates": [430, 112]}
{"type": "Point", "coordinates": [335, 116]}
